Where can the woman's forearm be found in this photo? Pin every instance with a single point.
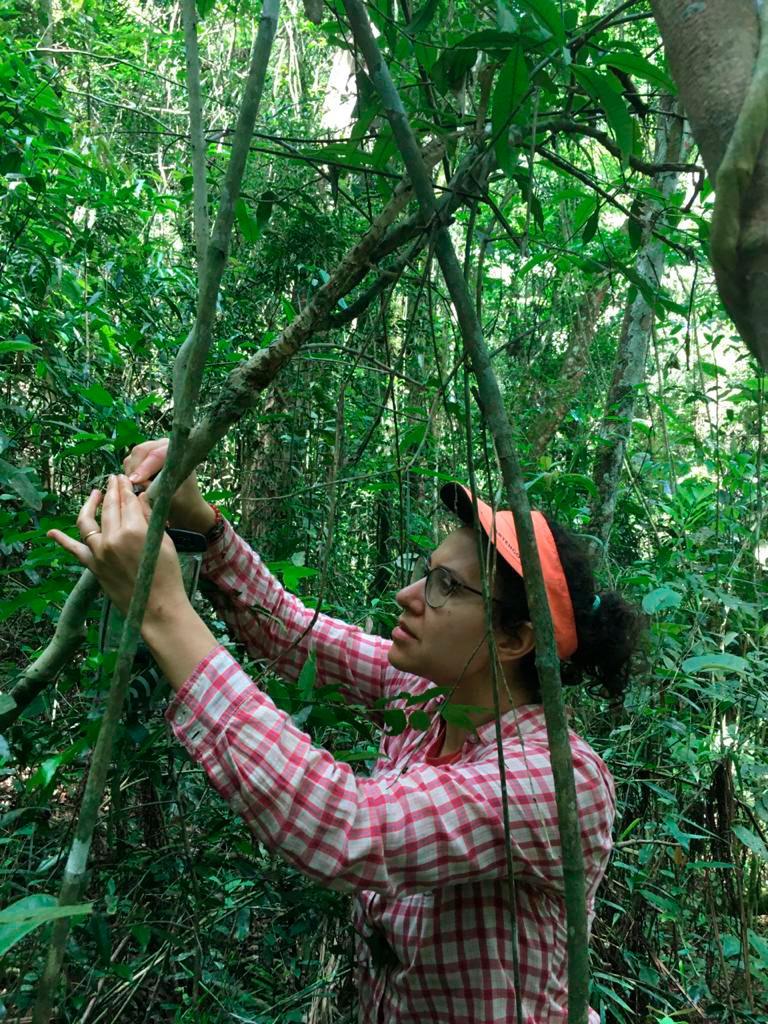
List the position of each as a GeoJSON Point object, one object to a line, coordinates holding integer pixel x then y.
{"type": "Point", "coordinates": [178, 640]}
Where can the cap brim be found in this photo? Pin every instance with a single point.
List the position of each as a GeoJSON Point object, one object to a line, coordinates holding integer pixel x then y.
{"type": "Point", "coordinates": [458, 499]}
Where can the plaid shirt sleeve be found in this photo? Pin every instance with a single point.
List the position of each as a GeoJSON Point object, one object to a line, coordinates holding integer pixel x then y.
{"type": "Point", "coordinates": [402, 831]}
{"type": "Point", "coordinates": [275, 626]}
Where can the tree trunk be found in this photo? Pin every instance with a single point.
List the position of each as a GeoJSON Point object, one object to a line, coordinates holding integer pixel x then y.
{"type": "Point", "coordinates": [712, 49]}
{"type": "Point", "coordinates": [629, 368]}
{"type": "Point", "coordinates": [573, 368]}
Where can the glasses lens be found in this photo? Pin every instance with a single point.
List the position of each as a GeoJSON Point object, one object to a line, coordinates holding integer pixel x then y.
{"type": "Point", "coordinates": [440, 586]}
{"type": "Point", "coordinates": [419, 570]}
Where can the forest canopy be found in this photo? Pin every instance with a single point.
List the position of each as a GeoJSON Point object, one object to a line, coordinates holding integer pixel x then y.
{"type": "Point", "coordinates": [601, 176]}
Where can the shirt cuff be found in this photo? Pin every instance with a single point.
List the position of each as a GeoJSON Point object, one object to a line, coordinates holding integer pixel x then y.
{"type": "Point", "coordinates": [206, 701]}
{"type": "Point", "coordinates": [218, 552]}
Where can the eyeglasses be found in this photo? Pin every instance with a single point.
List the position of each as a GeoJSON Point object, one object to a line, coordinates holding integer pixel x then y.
{"type": "Point", "coordinates": [440, 583]}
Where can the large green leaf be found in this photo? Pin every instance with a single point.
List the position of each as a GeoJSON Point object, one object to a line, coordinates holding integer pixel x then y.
{"type": "Point", "coordinates": [20, 480]}
{"type": "Point", "coordinates": [510, 90]}
{"type": "Point", "coordinates": [547, 13]}
{"type": "Point", "coordinates": [636, 65]}
{"type": "Point", "coordinates": [751, 840]}
{"type": "Point", "coordinates": [716, 661]}
{"type": "Point", "coordinates": [604, 87]}
{"type": "Point", "coordinates": [661, 599]}
{"type": "Point", "coordinates": [422, 17]}
{"type": "Point", "coordinates": [28, 913]}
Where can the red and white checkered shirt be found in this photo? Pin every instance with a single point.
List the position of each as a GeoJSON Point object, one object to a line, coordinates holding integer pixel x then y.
{"type": "Point", "coordinates": [421, 842]}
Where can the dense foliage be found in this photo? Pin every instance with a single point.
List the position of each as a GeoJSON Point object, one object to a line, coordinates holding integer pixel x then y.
{"type": "Point", "coordinates": [334, 476]}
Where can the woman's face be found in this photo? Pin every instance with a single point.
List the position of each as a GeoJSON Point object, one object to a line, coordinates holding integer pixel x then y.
{"type": "Point", "coordinates": [445, 644]}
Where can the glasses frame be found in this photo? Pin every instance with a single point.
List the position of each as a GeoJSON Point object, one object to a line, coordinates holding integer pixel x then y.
{"type": "Point", "coordinates": [455, 584]}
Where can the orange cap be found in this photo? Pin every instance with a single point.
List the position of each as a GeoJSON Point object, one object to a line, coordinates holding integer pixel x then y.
{"type": "Point", "coordinates": [499, 527]}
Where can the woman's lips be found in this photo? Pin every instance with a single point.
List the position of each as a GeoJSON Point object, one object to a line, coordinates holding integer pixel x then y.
{"type": "Point", "coordinates": [401, 632]}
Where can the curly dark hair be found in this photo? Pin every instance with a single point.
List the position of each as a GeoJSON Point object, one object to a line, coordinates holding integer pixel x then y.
{"type": "Point", "coordinates": [608, 636]}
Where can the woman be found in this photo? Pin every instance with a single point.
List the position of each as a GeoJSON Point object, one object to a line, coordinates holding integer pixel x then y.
{"type": "Point", "coordinates": [422, 841]}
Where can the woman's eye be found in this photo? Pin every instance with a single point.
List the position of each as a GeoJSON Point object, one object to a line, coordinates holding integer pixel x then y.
{"type": "Point", "coordinates": [446, 583]}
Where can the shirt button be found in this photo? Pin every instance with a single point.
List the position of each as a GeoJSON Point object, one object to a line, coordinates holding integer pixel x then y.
{"type": "Point", "coordinates": [183, 716]}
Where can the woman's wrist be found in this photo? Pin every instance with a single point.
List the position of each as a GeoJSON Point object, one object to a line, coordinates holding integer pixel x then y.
{"type": "Point", "coordinates": [200, 519]}
{"type": "Point", "coordinates": [178, 639]}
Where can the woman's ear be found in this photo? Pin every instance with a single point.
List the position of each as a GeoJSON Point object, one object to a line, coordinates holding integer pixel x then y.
{"type": "Point", "coordinates": [514, 645]}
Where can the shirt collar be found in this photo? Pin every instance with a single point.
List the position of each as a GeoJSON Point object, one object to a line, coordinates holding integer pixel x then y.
{"type": "Point", "coordinates": [517, 722]}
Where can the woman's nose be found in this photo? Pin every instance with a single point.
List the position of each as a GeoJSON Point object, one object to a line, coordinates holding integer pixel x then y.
{"type": "Point", "coordinates": [412, 597]}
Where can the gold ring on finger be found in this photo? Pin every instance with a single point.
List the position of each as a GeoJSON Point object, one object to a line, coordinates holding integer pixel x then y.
{"type": "Point", "coordinates": [85, 538]}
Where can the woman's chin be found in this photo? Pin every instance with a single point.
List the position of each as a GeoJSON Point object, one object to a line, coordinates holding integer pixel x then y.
{"type": "Point", "coordinates": [398, 658]}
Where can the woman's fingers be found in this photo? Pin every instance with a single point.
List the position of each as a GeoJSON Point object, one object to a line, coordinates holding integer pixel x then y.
{"type": "Point", "coordinates": [130, 507]}
{"type": "Point", "coordinates": [146, 508]}
{"type": "Point", "coordinates": [86, 520]}
{"type": "Point", "coordinates": [81, 551]}
{"type": "Point", "coordinates": [145, 461]}
{"type": "Point", "coordinates": [111, 512]}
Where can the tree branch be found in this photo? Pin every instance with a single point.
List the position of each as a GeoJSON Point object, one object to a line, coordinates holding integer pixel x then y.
{"type": "Point", "coordinates": [184, 408]}
{"type": "Point", "coordinates": [66, 639]}
{"type": "Point", "coordinates": [196, 135]}
{"type": "Point", "coordinates": [493, 408]}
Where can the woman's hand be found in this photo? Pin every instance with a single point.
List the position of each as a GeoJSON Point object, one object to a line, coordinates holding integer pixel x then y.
{"type": "Point", "coordinates": [113, 550]}
{"type": "Point", "coordinates": [189, 510]}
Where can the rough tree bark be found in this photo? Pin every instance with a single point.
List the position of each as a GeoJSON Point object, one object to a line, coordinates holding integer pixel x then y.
{"type": "Point", "coordinates": [719, 60]}
{"type": "Point", "coordinates": [631, 356]}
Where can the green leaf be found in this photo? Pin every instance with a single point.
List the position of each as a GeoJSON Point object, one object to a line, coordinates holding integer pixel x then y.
{"type": "Point", "coordinates": [752, 841]}
{"type": "Point", "coordinates": [422, 17]}
{"type": "Point", "coordinates": [99, 395]}
{"type": "Point", "coordinates": [715, 662]}
{"type": "Point", "coordinates": [307, 677]}
{"type": "Point", "coordinates": [636, 65]}
{"type": "Point", "coordinates": [420, 720]}
{"type": "Point", "coordinates": [668, 906]}
{"type": "Point", "coordinates": [413, 437]}
{"type": "Point", "coordinates": [457, 714]}
{"type": "Point", "coordinates": [249, 226]}
{"type": "Point", "coordinates": [591, 226]}
{"type": "Point", "coordinates": [264, 208]}
{"type": "Point", "coordinates": [489, 39]}
{"type": "Point", "coordinates": [204, 7]}
{"type": "Point", "coordinates": [604, 88]}
{"type": "Point", "coordinates": [17, 345]}
{"type": "Point", "coordinates": [142, 933]}
{"type": "Point", "coordinates": [450, 68]}
{"type": "Point", "coordinates": [660, 599]}
{"type": "Point", "coordinates": [547, 13]}
{"type": "Point", "coordinates": [20, 481]}
{"type": "Point", "coordinates": [350, 756]}
{"type": "Point", "coordinates": [47, 770]}
{"type": "Point", "coordinates": [395, 720]}
{"type": "Point", "coordinates": [7, 703]}
{"type": "Point", "coordinates": [511, 88]}
{"type": "Point", "coordinates": [28, 913]}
